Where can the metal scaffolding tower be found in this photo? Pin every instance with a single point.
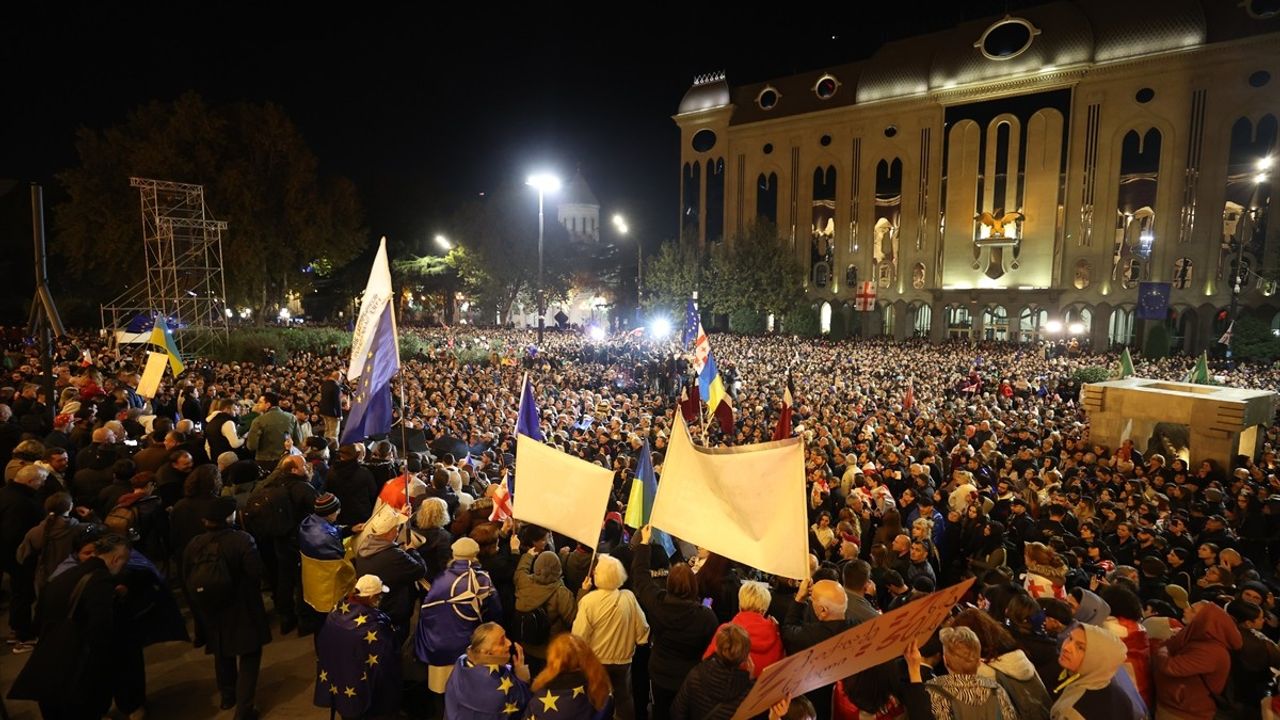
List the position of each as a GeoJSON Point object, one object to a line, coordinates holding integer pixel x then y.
{"type": "Point", "coordinates": [184, 268]}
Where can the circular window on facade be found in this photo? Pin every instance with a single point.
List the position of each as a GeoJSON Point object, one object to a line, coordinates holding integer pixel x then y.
{"type": "Point", "coordinates": [826, 87]}
{"type": "Point", "coordinates": [891, 131]}
{"type": "Point", "coordinates": [768, 98]}
{"type": "Point", "coordinates": [1261, 9]}
{"type": "Point", "coordinates": [768, 148]}
{"type": "Point", "coordinates": [1259, 78]}
{"type": "Point", "coordinates": [1007, 38]}
{"type": "Point", "coordinates": [704, 140]}
{"type": "Point", "coordinates": [1145, 95]}
{"type": "Point", "coordinates": [825, 140]}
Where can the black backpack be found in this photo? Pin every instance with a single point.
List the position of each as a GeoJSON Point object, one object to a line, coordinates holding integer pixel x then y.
{"type": "Point", "coordinates": [532, 627]}
{"type": "Point", "coordinates": [209, 584]}
{"type": "Point", "coordinates": [268, 512]}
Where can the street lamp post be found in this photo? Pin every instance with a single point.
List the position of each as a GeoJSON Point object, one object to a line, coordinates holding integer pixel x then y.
{"type": "Point", "coordinates": [544, 183]}
{"type": "Point", "coordinates": [1264, 164]}
{"type": "Point", "coordinates": [620, 224]}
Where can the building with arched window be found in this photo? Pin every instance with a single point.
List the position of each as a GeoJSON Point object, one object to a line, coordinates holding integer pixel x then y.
{"type": "Point", "coordinates": [1017, 176]}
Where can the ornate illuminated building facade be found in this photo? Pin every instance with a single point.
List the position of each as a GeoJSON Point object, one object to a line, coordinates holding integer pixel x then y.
{"type": "Point", "coordinates": [1013, 176]}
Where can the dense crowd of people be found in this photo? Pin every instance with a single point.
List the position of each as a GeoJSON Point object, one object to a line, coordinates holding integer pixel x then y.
{"type": "Point", "coordinates": [1111, 582]}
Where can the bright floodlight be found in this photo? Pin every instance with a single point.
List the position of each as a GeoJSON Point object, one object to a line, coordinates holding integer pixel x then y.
{"type": "Point", "coordinates": [545, 183]}
{"type": "Point", "coordinates": [1264, 164]}
{"type": "Point", "coordinates": [1075, 328]}
{"type": "Point", "coordinates": [660, 328]}
{"type": "Point", "coordinates": [443, 242]}
{"type": "Point", "coordinates": [1053, 326]}
{"type": "Point", "coordinates": [1260, 178]}
{"type": "Point", "coordinates": [596, 333]}
{"type": "Point", "coordinates": [284, 313]}
{"type": "Point", "coordinates": [620, 223]}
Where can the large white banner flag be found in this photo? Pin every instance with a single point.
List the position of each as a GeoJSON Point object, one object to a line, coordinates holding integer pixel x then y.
{"type": "Point", "coordinates": [746, 503]}
{"type": "Point", "coordinates": [377, 294]}
{"type": "Point", "coordinates": [560, 492]}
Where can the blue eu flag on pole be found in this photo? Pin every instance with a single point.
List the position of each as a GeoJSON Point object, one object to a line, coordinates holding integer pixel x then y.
{"type": "Point", "coordinates": [526, 421]}
{"type": "Point", "coordinates": [691, 324]}
{"type": "Point", "coordinates": [375, 356]}
{"type": "Point", "coordinates": [1153, 300]}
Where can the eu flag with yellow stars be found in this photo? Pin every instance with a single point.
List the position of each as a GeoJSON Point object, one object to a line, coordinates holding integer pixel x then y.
{"type": "Point", "coordinates": [357, 662]}
{"type": "Point", "coordinates": [483, 692]}
{"type": "Point", "coordinates": [565, 698]}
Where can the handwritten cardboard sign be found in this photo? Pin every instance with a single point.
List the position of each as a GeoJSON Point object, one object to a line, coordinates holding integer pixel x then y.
{"type": "Point", "coordinates": [852, 651]}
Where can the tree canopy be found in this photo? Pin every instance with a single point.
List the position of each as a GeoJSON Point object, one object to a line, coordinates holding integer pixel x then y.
{"type": "Point", "coordinates": [287, 223]}
{"type": "Point", "coordinates": [754, 273]}
{"type": "Point", "coordinates": [496, 253]}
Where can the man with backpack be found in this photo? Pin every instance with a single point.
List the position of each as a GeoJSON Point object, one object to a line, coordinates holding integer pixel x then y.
{"type": "Point", "coordinates": [222, 572]}
{"type": "Point", "coordinates": [273, 514]}
{"type": "Point", "coordinates": [960, 694]}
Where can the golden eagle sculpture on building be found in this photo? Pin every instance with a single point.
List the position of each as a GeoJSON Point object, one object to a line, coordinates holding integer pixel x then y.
{"type": "Point", "coordinates": [997, 220]}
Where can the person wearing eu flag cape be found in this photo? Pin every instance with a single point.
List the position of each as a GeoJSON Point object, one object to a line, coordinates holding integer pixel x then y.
{"type": "Point", "coordinates": [358, 672]}
{"type": "Point", "coordinates": [490, 681]}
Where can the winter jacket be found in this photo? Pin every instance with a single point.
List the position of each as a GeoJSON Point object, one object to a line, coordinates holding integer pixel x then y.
{"type": "Point", "coordinates": [766, 641]}
{"type": "Point", "coordinates": [239, 627]}
{"type": "Point", "coordinates": [1137, 653]}
{"type": "Point", "coordinates": [799, 633]}
{"type": "Point", "coordinates": [1013, 670]}
{"type": "Point", "coordinates": [539, 585]}
{"type": "Point", "coordinates": [712, 691]}
{"type": "Point", "coordinates": [19, 512]}
{"type": "Point", "coordinates": [1042, 650]}
{"type": "Point", "coordinates": [612, 623]}
{"type": "Point", "coordinates": [460, 599]}
{"type": "Point", "coordinates": [48, 544]}
{"type": "Point", "coordinates": [932, 699]}
{"type": "Point", "coordinates": [1093, 609]}
{"type": "Point", "coordinates": [268, 432]}
{"type": "Point", "coordinates": [400, 570]}
{"type": "Point", "coordinates": [355, 488]}
{"type": "Point", "coordinates": [1098, 691]}
{"type": "Point", "coordinates": [681, 628]}
{"type": "Point", "coordinates": [1197, 662]}
{"type": "Point", "coordinates": [185, 521]}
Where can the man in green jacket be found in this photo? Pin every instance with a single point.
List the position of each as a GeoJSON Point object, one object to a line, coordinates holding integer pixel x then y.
{"type": "Point", "coordinates": [269, 431]}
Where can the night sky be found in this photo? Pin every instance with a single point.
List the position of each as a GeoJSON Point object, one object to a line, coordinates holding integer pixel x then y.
{"type": "Point", "coordinates": [422, 109]}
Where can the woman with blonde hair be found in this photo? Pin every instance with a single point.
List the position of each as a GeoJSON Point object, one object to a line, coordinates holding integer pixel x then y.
{"type": "Point", "coordinates": [573, 680]}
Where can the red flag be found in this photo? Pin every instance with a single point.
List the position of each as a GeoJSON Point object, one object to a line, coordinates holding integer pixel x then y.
{"type": "Point", "coordinates": [690, 403]}
{"type": "Point", "coordinates": [783, 430]}
{"type": "Point", "coordinates": [909, 399]}
{"type": "Point", "coordinates": [724, 413]}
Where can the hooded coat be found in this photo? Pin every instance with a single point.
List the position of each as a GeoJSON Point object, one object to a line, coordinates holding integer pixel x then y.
{"type": "Point", "coordinates": [1093, 610]}
{"type": "Point", "coordinates": [1014, 670]}
{"type": "Point", "coordinates": [1095, 692]}
{"type": "Point", "coordinates": [539, 585]}
{"type": "Point", "coordinates": [766, 641]}
{"type": "Point", "coordinates": [1196, 663]}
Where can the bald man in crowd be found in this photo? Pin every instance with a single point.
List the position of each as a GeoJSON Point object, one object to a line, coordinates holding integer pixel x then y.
{"type": "Point", "coordinates": [803, 629]}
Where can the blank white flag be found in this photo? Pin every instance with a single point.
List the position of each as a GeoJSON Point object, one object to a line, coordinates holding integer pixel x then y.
{"type": "Point", "coordinates": [560, 492]}
{"type": "Point", "coordinates": [746, 503]}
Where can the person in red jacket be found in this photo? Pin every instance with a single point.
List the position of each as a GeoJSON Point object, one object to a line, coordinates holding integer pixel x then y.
{"type": "Point", "coordinates": [766, 643]}
{"type": "Point", "coordinates": [1194, 665]}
